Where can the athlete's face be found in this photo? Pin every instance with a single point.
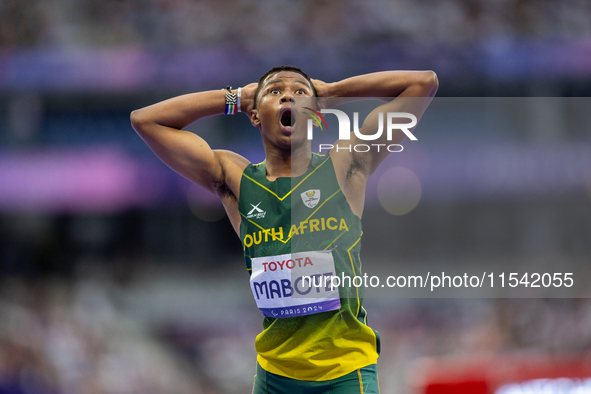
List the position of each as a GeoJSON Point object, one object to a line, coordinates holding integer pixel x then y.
{"type": "Point", "coordinates": [276, 109]}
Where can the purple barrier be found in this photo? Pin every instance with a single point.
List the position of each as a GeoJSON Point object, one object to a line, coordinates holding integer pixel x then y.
{"type": "Point", "coordinates": [136, 68]}
{"type": "Point", "coordinates": [107, 179]}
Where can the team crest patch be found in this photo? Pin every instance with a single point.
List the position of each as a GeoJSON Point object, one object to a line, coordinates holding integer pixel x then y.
{"type": "Point", "coordinates": [311, 197]}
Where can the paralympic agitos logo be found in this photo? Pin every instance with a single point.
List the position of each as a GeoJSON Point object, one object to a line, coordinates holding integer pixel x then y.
{"type": "Point", "coordinates": [345, 129]}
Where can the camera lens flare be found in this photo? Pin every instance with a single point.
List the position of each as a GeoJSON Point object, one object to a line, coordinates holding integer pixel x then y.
{"type": "Point", "coordinates": [399, 190]}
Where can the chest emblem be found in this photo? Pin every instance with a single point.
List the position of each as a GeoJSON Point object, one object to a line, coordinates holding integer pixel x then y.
{"type": "Point", "coordinates": [311, 197]}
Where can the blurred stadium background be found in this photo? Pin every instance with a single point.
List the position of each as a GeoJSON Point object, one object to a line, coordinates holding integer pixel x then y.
{"type": "Point", "coordinates": [117, 276]}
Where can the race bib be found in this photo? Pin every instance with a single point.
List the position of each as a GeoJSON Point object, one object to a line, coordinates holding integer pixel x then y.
{"type": "Point", "coordinates": [294, 284]}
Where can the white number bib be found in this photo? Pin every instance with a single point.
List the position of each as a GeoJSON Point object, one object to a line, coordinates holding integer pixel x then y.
{"type": "Point", "coordinates": [294, 284]}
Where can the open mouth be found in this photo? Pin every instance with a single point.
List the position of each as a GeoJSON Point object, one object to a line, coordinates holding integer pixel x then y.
{"type": "Point", "coordinates": [286, 120]}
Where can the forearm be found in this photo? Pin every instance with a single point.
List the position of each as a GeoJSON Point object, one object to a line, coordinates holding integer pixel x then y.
{"type": "Point", "coordinates": [162, 127]}
{"type": "Point", "coordinates": [179, 112]}
{"type": "Point", "coordinates": [386, 84]}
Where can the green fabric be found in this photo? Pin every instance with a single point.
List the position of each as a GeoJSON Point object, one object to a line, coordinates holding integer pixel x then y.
{"type": "Point", "coordinates": [269, 383]}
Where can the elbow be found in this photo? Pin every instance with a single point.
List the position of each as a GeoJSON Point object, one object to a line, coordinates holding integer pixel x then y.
{"type": "Point", "coordinates": [137, 120]}
{"type": "Point", "coordinates": [429, 83]}
{"type": "Point", "coordinates": [135, 117]}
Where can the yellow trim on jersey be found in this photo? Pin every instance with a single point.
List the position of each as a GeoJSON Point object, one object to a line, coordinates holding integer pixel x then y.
{"type": "Point", "coordinates": [354, 273]}
{"type": "Point", "coordinates": [360, 381]}
{"type": "Point", "coordinates": [293, 188]}
{"type": "Point", "coordinates": [334, 240]}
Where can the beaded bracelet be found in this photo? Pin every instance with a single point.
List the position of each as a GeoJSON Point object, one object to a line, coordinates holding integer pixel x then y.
{"type": "Point", "coordinates": [232, 101]}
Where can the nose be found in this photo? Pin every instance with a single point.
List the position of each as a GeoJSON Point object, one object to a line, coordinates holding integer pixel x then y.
{"type": "Point", "coordinates": [287, 96]}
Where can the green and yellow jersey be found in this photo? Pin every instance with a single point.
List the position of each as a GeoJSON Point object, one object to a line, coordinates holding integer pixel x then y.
{"type": "Point", "coordinates": [294, 216]}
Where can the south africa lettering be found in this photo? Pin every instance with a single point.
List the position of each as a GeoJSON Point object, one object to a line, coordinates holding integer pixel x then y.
{"type": "Point", "coordinates": [306, 226]}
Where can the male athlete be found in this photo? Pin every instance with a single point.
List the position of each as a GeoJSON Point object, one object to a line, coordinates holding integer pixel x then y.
{"type": "Point", "coordinates": [297, 210]}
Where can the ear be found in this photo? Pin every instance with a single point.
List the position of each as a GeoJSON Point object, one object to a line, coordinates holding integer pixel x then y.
{"type": "Point", "coordinates": [254, 118]}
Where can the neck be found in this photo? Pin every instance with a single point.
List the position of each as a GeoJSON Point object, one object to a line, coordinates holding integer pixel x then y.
{"type": "Point", "coordinates": [287, 163]}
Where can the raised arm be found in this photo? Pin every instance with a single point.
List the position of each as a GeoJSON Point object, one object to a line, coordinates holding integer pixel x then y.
{"type": "Point", "coordinates": [161, 127]}
{"type": "Point", "coordinates": [412, 92]}
{"type": "Point", "coordinates": [382, 84]}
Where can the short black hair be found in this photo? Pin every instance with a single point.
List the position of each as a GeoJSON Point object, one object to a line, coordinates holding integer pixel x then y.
{"type": "Point", "coordinates": [276, 70]}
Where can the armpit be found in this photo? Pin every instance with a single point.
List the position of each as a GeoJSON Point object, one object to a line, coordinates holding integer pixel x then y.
{"type": "Point", "coordinates": [222, 189]}
{"type": "Point", "coordinates": [357, 165]}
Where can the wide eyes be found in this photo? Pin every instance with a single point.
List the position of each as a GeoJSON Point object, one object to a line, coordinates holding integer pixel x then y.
{"type": "Point", "coordinates": [276, 91]}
